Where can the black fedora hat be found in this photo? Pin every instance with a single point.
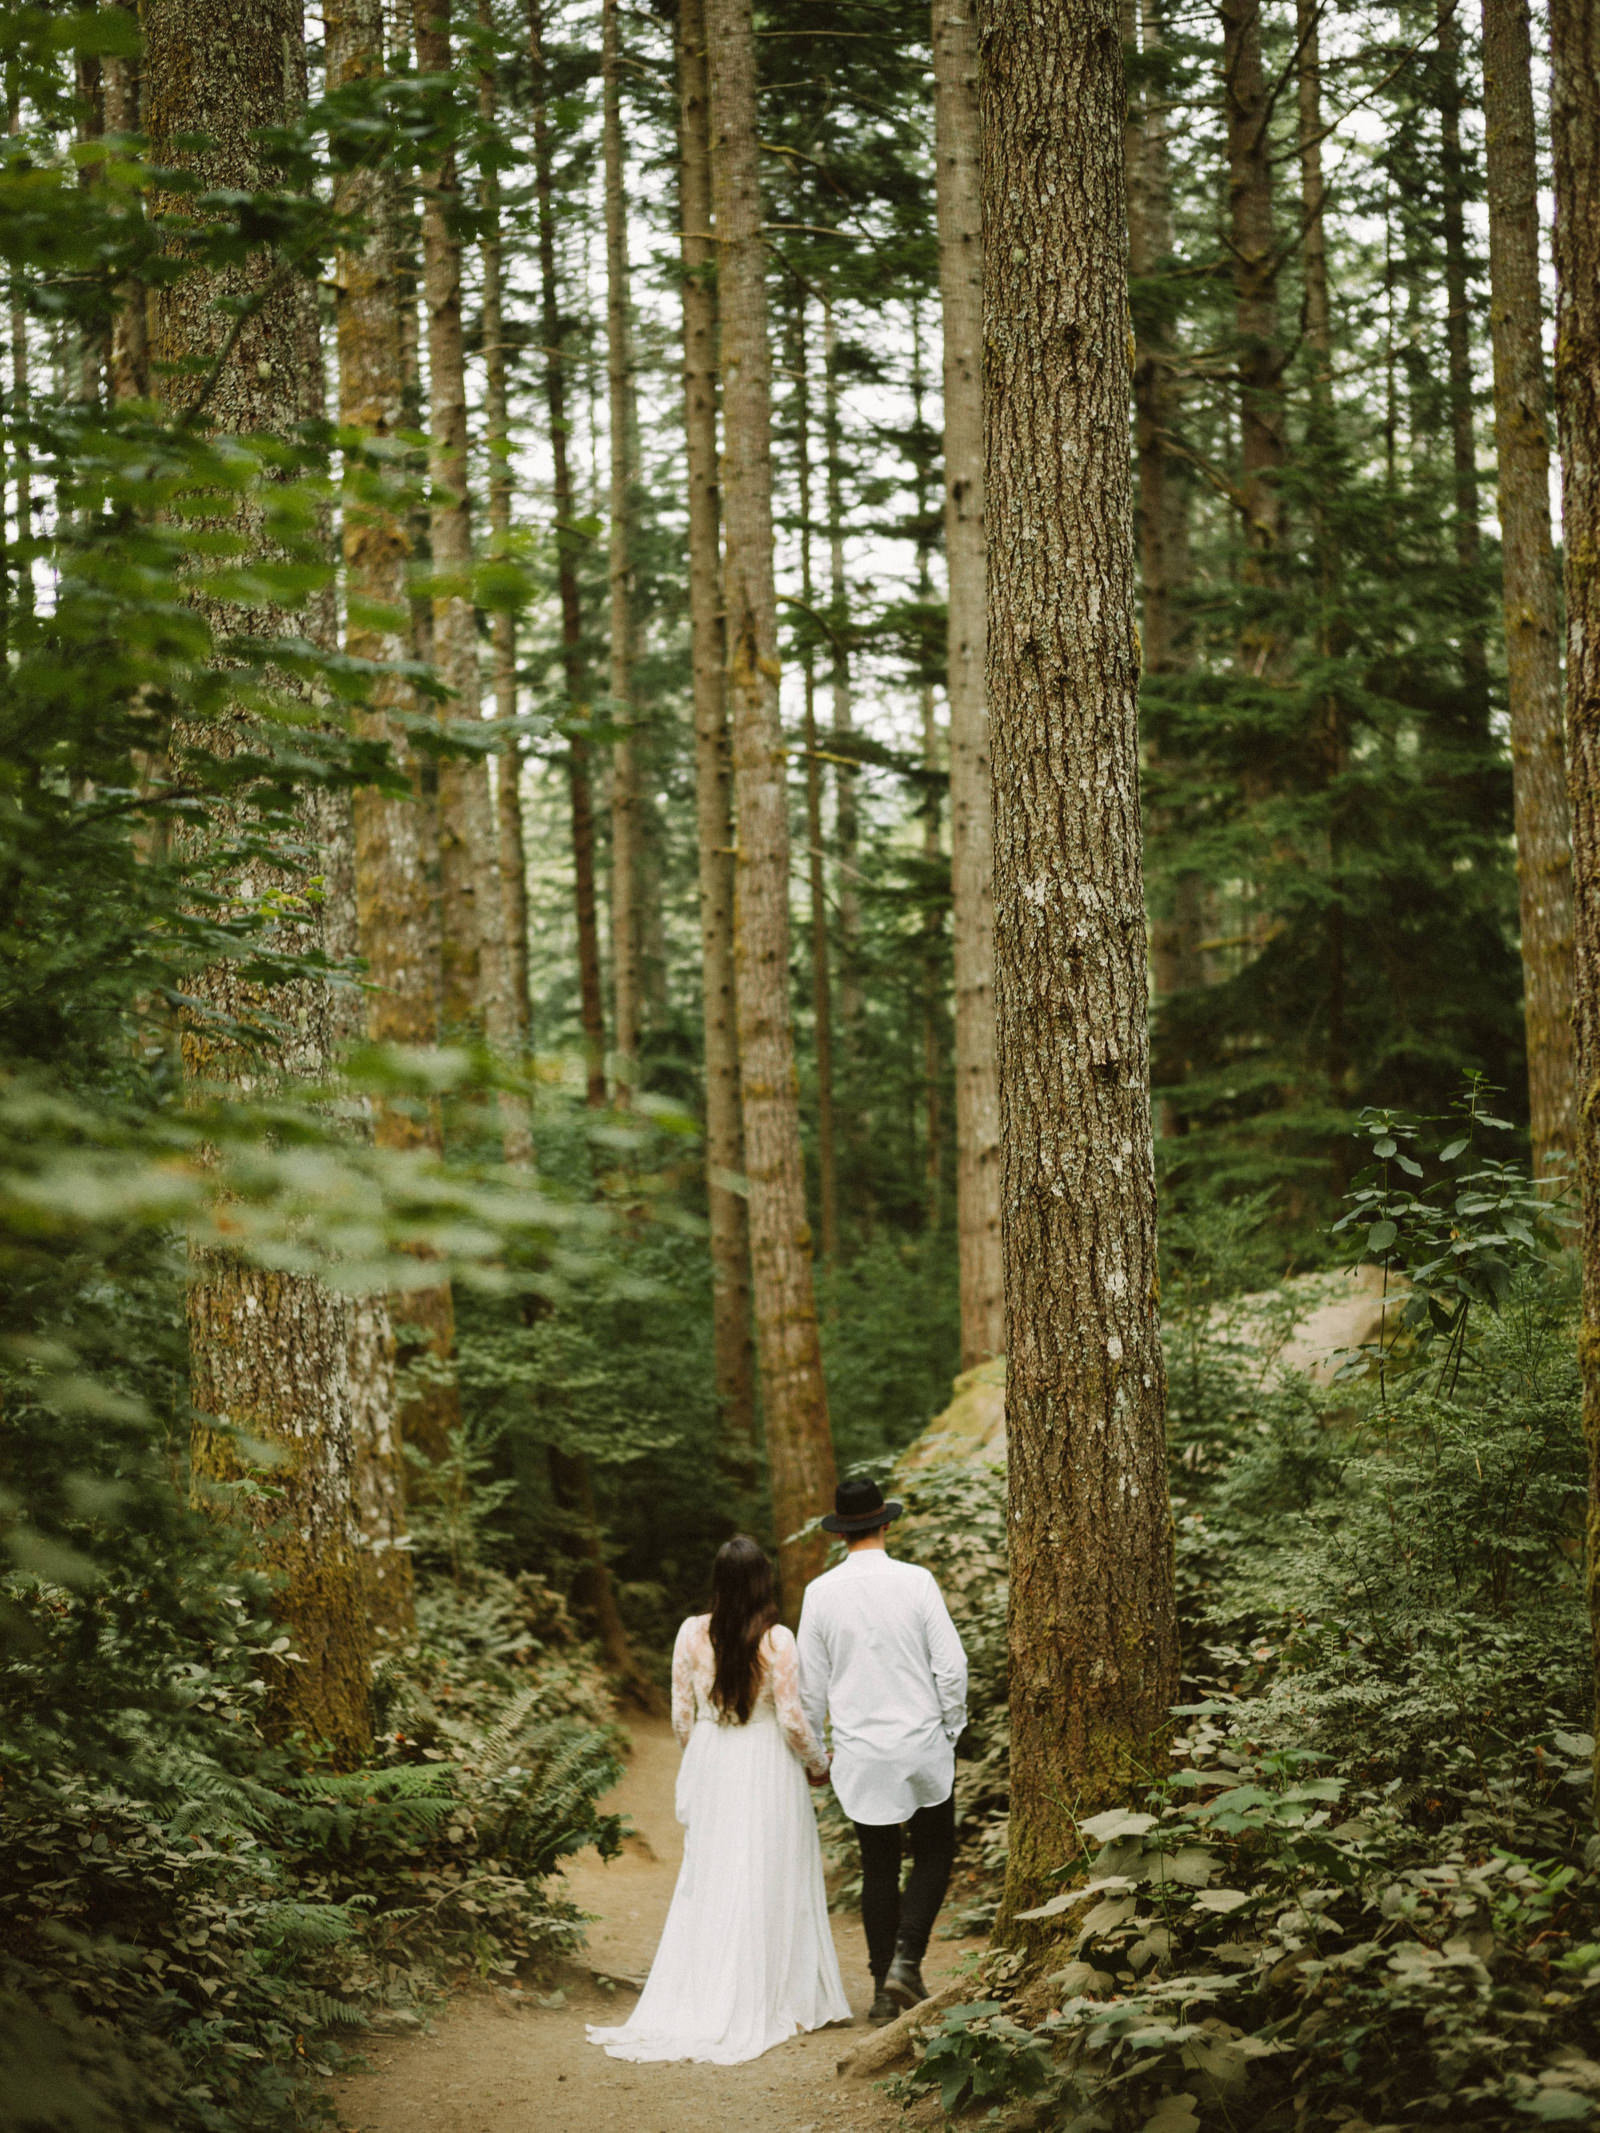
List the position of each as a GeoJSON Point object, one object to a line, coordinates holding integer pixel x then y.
{"type": "Point", "coordinates": [858, 1507]}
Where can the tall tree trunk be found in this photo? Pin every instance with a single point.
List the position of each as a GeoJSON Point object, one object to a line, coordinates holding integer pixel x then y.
{"type": "Point", "coordinates": [816, 867]}
{"type": "Point", "coordinates": [497, 437]}
{"type": "Point", "coordinates": [592, 1007]}
{"type": "Point", "coordinates": [734, 1357]}
{"type": "Point", "coordinates": [269, 1351]}
{"type": "Point", "coordinates": [847, 811]}
{"type": "Point", "coordinates": [932, 849]}
{"type": "Point", "coordinates": [1093, 1633]}
{"type": "Point", "coordinates": [1458, 359]}
{"type": "Point", "coordinates": [955, 100]}
{"type": "Point", "coordinates": [130, 325]}
{"type": "Point", "coordinates": [476, 991]}
{"type": "Point", "coordinates": [794, 1397]}
{"type": "Point", "coordinates": [1253, 242]}
{"type": "Point", "coordinates": [1575, 134]}
{"type": "Point", "coordinates": [393, 890]}
{"type": "Point", "coordinates": [1530, 589]}
{"type": "Point", "coordinates": [1317, 327]}
{"type": "Point", "coordinates": [21, 408]}
{"type": "Point", "coordinates": [1176, 963]}
{"type": "Point", "coordinates": [624, 761]}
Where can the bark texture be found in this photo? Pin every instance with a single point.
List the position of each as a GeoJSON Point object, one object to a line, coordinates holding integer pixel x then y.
{"type": "Point", "coordinates": [625, 841]}
{"type": "Point", "coordinates": [713, 756]}
{"type": "Point", "coordinates": [473, 959]}
{"type": "Point", "coordinates": [580, 781]}
{"type": "Point", "coordinates": [269, 1352]}
{"type": "Point", "coordinates": [1575, 136]}
{"type": "Point", "coordinates": [794, 1400]}
{"type": "Point", "coordinates": [1530, 584]}
{"type": "Point", "coordinates": [1093, 1635]}
{"type": "Point", "coordinates": [955, 93]}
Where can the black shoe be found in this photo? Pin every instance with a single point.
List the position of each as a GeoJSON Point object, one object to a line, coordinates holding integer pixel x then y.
{"type": "Point", "coordinates": [882, 2010]}
{"type": "Point", "coordinates": [904, 1984]}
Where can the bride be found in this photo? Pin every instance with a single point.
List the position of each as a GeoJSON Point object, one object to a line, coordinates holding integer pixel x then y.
{"type": "Point", "coordinates": [746, 1957]}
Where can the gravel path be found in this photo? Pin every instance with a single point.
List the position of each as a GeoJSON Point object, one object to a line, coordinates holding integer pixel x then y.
{"type": "Point", "coordinates": [496, 2064]}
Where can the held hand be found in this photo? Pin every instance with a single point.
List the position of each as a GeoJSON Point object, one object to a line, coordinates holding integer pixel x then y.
{"type": "Point", "coordinates": [817, 1779]}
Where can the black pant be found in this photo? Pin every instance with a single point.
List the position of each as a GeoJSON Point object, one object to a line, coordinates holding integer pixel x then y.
{"type": "Point", "coordinates": [893, 1920]}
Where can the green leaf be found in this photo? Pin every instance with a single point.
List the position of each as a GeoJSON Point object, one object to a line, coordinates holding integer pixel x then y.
{"type": "Point", "coordinates": [1381, 1236]}
{"type": "Point", "coordinates": [1116, 1822]}
{"type": "Point", "coordinates": [1448, 1154]}
{"type": "Point", "coordinates": [1385, 1147]}
{"type": "Point", "coordinates": [1557, 2107]}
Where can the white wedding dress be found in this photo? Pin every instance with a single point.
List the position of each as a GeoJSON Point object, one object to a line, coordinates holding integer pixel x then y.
{"type": "Point", "coordinates": [746, 1957]}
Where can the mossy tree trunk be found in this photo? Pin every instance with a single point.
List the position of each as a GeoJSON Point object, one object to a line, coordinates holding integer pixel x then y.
{"type": "Point", "coordinates": [1093, 1636]}
{"type": "Point", "coordinates": [270, 1352]}
{"type": "Point", "coordinates": [1575, 135]}
{"type": "Point", "coordinates": [794, 1398]}
{"type": "Point", "coordinates": [734, 1357]}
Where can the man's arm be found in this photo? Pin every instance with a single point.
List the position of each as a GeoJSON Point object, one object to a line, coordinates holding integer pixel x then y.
{"type": "Point", "coordinates": [948, 1659]}
{"type": "Point", "coordinates": [816, 1669]}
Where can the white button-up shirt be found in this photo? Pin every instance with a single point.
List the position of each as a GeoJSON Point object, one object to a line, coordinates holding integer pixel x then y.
{"type": "Point", "coordinates": [881, 1660]}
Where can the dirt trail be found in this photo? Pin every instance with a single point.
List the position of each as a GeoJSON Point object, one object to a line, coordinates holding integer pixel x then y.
{"type": "Point", "coordinates": [492, 2064]}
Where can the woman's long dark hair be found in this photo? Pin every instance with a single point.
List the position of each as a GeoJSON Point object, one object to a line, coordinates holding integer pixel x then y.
{"type": "Point", "coordinates": [744, 1606]}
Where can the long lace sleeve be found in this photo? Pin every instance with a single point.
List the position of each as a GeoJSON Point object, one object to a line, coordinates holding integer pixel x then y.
{"type": "Point", "coordinates": [683, 1684]}
{"type": "Point", "coordinates": [783, 1668]}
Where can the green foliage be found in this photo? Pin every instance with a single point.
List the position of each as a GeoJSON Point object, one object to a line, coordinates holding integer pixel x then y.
{"type": "Point", "coordinates": [977, 2056]}
{"type": "Point", "coordinates": [1368, 1878]}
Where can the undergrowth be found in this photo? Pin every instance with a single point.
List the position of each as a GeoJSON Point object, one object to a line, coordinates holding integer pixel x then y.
{"type": "Point", "coordinates": [184, 1938]}
{"type": "Point", "coordinates": [1365, 1891]}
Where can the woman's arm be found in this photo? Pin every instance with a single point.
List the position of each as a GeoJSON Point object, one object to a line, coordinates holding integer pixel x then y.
{"type": "Point", "coordinates": [683, 1683]}
{"type": "Point", "coordinates": [783, 1663]}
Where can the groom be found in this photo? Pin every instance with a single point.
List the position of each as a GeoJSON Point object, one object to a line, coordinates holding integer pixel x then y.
{"type": "Point", "coordinates": [880, 1658]}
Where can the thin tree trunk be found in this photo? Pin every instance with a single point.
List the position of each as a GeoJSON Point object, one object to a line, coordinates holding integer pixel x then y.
{"type": "Point", "coordinates": [794, 1397]}
{"type": "Point", "coordinates": [1163, 534]}
{"type": "Point", "coordinates": [473, 957]}
{"type": "Point", "coordinates": [130, 325]}
{"type": "Point", "coordinates": [846, 808]}
{"type": "Point", "coordinates": [1530, 587]}
{"type": "Point", "coordinates": [1575, 134]}
{"type": "Point", "coordinates": [592, 1006]}
{"type": "Point", "coordinates": [270, 1352]}
{"type": "Point", "coordinates": [1317, 326]}
{"type": "Point", "coordinates": [497, 437]}
{"type": "Point", "coordinates": [955, 94]}
{"type": "Point", "coordinates": [21, 414]}
{"type": "Point", "coordinates": [1093, 1633]}
{"type": "Point", "coordinates": [1458, 359]}
{"type": "Point", "coordinates": [932, 849]}
{"type": "Point", "coordinates": [816, 871]}
{"type": "Point", "coordinates": [734, 1356]}
{"type": "Point", "coordinates": [1253, 242]}
{"type": "Point", "coordinates": [624, 763]}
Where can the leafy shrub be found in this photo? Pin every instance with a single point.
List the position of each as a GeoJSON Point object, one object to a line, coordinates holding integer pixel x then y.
{"type": "Point", "coordinates": [177, 1956]}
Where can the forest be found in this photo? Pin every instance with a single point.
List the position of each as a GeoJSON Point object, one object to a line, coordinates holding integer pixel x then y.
{"type": "Point", "coordinates": [743, 746]}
